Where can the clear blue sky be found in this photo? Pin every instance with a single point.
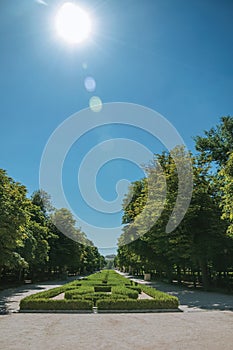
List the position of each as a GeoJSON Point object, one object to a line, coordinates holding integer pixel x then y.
{"type": "Point", "coordinates": [174, 56]}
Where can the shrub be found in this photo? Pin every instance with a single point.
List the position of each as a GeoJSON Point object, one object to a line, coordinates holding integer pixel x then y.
{"type": "Point", "coordinates": [51, 304]}
{"type": "Point", "coordinates": [143, 304]}
{"type": "Point", "coordinates": [125, 291]}
{"type": "Point", "coordinates": [158, 295]}
{"type": "Point", "coordinates": [83, 294]}
{"type": "Point", "coordinates": [103, 289]}
{"type": "Point", "coordinates": [138, 289]}
{"type": "Point", "coordinates": [71, 294]}
{"type": "Point", "coordinates": [49, 293]}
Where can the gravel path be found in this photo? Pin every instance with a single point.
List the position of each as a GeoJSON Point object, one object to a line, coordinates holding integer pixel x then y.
{"type": "Point", "coordinates": [166, 331]}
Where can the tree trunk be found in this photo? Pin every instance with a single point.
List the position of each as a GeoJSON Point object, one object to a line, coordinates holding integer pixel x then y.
{"type": "Point", "coordinates": [178, 271]}
{"type": "Point", "coordinates": [194, 279]}
{"type": "Point", "coordinates": [204, 272]}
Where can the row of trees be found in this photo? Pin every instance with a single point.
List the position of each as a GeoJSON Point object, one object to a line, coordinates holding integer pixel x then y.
{"type": "Point", "coordinates": [201, 247]}
{"type": "Point", "coordinates": [31, 244]}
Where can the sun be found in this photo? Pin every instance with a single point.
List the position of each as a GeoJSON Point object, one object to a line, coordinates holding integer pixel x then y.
{"type": "Point", "coordinates": [73, 24]}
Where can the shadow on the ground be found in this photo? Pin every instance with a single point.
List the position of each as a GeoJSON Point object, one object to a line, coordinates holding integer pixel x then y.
{"type": "Point", "coordinates": [191, 298]}
{"type": "Point", "coordinates": [9, 298]}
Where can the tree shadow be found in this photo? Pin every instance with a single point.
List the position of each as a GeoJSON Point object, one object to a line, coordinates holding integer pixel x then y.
{"type": "Point", "coordinates": [10, 298]}
{"type": "Point", "coordinates": [195, 299]}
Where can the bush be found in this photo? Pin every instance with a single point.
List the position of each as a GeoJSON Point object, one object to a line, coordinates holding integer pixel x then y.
{"type": "Point", "coordinates": [71, 294]}
{"type": "Point", "coordinates": [125, 291]}
{"type": "Point", "coordinates": [102, 288]}
{"type": "Point", "coordinates": [49, 293]}
{"type": "Point", "coordinates": [143, 304]}
{"type": "Point", "coordinates": [83, 294]}
{"type": "Point", "coordinates": [138, 289]}
{"type": "Point", "coordinates": [51, 304]}
{"type": "Point", "coordinates": [158, 295]}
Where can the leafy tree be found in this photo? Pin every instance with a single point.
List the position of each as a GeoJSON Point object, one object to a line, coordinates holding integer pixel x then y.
{"type": "Point", "coordinates": [217, 142]}
{"type": "Point", "coordinates": [13, 218]}
{"type": "Point", "coordinates": [198, 239]}
{"type": "Point", "coordinates": [226, 174]}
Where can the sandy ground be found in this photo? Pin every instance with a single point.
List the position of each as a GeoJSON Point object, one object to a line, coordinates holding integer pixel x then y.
{"type": "Point", "coordinates": [166, 331]}
{"type": "Point", "coordinates": [201, 326]}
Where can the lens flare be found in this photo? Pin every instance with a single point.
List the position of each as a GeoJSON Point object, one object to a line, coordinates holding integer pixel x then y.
{"type": "Point", "coordinates": [95, 104]}
{"type": "Point", "coordinates": [90, 84]}
{"type": "Point", "coordinates": [73, 23]}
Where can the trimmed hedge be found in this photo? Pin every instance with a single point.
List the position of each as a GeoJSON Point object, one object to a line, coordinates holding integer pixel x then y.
{"type": "Point", "coordinates": [95, 291]}
{"type": "Point", "coordinates": [130, 293]}
{"type": "Point", "coordinates": [72, 294]}
{"type": "Point", "coordinates": [130, 304]}
{"type": "Point", "coordinates": [158, 295]}
{"type": "Point", "coordinates": [51, 304]}
{"type": "Point", "coordinates": [138, 289]}
{"type": "Point", "coordinates": [102, 288]}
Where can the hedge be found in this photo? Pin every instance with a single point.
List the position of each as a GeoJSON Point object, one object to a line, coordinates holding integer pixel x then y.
{"type": "Point", "coordinates": [102, 288]}
{"type": "Point", "coordinates": [158, 295]}
{"type": "Point", "coordinates": [138, 289]}
{"type": "Point", "coordinates": [95, 290]}
{"type": "Point", "coordinates": [125, 291]}
{"type": "Point", "coordinates": [51, 304]}
{"type": "Point", "coordinates": [71, 294]}
{"type": "Point", "coordinates": [143, 304]}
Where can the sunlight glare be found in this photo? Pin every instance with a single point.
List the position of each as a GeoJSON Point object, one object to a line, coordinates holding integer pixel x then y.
{"type": "Point", "coordinates": [73, 23]}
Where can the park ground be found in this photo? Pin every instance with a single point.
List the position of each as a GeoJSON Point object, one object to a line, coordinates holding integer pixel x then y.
{"type": "Point", "coordinates": [205, 323]}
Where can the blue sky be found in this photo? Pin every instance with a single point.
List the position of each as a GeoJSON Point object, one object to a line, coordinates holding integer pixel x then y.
{"type": "Point", "coordinates": [173, 56]}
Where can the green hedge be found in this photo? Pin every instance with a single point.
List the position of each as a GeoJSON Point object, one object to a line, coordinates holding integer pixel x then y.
{"type": "Point", "coordinates": [71, 294]}
{"type": "Point", "coordinates": [138, 289]}
{"type": "Point", "coordinates": [158, 295]}
{"type": "Point", "coordinates": [133, 294]}
{"type": "Point", "coordinates": [129, 304]}
{"type": "Point", "coordinates": [93, 290]}
{"type": "Point", "coordinates": [51, 304]}
{"type": "Point", "coordinates": [102, 288]}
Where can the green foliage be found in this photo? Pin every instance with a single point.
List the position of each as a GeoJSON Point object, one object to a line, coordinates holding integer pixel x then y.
{"type": "Point", "coordinates": [72, 294]}
{"type": "Point", "coordinates": [51, 304]}
{"type": "Point", "coordinates": [158, 295]}
{"type": "Point", "coordinates": [217, 142]}
{"type": "Point", "coordinates": [13, 220]}
{"type": "Point", "coordinates": [76, 293]}
{"type": "Point", "coordinates": [103, 288]}
{"type": "Point", "coordinates": [30, 243]}
{"type": "Point", "coordinates": [226, 174]}
{"type": "Point", "coordinates": [200, 239]}
{"type": "Point", "coordinates": [130, 293]}
{"type": "Point", "coordinates": [138, 289]}
{"type": "Point", "coordinates": [144, 304]}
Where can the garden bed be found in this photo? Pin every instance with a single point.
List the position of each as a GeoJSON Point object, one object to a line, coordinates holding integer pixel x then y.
{"type": "Point", "coordinates": [105, 291]}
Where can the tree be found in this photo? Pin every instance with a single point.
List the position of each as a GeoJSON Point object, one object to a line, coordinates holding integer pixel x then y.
{"type": "Point", "coordinates": [198, 239]}
{"type": "Point", "coordinates": [217, 143]}
{"type": "Point", "coordinates": [13, 218]}
{"type": "Point", "coordinates": [226, 174]}
{"type": "Point", "coordinates": [70, 248]}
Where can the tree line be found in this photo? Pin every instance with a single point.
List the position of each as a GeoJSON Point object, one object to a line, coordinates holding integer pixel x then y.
{"type": "Point", "coordinates": [200, 249]}
{"type": "Point", "coordinates": [31, 244]}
